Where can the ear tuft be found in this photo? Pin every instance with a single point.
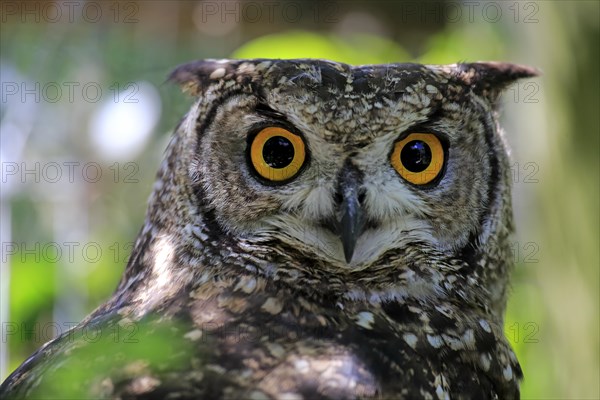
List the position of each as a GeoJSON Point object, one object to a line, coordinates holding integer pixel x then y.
{"type": "Point", "coordinates": [197, 76]}
{"type": "Point", "coordinates": [490, 78]}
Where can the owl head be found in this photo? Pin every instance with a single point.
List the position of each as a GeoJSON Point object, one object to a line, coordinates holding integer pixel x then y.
{"type": "Point", "coordinates": [378, 174]}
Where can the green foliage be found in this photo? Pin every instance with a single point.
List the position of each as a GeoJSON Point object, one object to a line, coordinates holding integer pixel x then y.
{"type": "Point", "coordinates": [474, 43]}
{"type": "Point", "coordinates": [31, 287]}
{"type": "Point", "coordinates": [355, 49]}
{"type": "Point", "coordinates": [111, 353]}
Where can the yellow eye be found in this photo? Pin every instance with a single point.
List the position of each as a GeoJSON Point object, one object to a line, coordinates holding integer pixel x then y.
{"type": "Point", "coordinates": [277, 154]}
{"type": "Point", "coordinates": [418, 158]}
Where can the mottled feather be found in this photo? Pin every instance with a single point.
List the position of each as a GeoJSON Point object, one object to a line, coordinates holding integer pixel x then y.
{"type": "Point", "coordinates": [241, 289]}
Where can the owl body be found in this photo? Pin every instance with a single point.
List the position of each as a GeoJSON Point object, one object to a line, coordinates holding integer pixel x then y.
{"type": "Point", "coordinates": [316, 230]}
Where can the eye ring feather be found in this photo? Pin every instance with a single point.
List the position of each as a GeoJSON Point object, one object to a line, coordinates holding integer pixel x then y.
{"type": "Point", "coordinates": [277, 154]}
{"type": "Point", "coordinates": [418, 158]}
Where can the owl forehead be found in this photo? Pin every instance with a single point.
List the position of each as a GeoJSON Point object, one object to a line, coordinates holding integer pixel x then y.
{"type": "Point", "coordinates": [355, 104]}
{"type": "Point", "coordinates": [343, 104]}
{"type": "Point", "coordinates": [350, 118]}
{"type": "Point", "coordinates": [343, 93]}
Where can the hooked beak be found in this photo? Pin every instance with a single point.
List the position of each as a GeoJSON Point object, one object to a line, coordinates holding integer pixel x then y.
{"type": "Point", "coordinates": [352, 222]}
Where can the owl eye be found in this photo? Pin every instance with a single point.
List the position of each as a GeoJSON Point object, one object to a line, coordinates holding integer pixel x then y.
{"type": "Point", "coordinates": [418, 158]}
{"type": "Point", "coordinates": [277, 154]}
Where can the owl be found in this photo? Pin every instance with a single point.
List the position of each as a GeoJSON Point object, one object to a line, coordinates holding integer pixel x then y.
{"type": "Point", "coordinates": [316, 231]}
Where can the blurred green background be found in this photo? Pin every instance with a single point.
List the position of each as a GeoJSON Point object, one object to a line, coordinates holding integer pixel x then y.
{"type": "Point", "coordinates": [85, 115]}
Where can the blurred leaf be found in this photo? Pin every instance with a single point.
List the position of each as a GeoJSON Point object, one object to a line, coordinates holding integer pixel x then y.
{"type": "Point", "coordinates": [356, 49]}
{"type": "Point", "coordinates": [469, 43]}
{"type": "Point", "coordinates": [526, 328]}
{"type": "Point", "coordinates": [104, 355]}
{"type": "Point", "coordinates": [31, 285]}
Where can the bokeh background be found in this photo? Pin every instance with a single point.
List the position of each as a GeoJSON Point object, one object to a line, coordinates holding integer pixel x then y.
{"type": "Point", "coordinates": [85, 114]}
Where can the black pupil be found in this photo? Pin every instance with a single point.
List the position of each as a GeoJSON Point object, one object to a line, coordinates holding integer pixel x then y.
{"type": "Point", "coordinates": [416, 156]}
{"type": "Point", "coordinates": [278, 152]}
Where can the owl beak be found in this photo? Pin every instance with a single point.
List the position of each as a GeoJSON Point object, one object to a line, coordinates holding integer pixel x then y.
{"type": "Point", "coordinates": [352, 222]}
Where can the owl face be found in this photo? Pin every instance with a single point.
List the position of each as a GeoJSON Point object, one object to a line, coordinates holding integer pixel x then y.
{"type": "Point", "coordinates": [347, 163]}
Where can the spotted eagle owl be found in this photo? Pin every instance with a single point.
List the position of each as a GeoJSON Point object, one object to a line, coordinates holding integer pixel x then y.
{"type": "Point", "coordinates": [316, 230]}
